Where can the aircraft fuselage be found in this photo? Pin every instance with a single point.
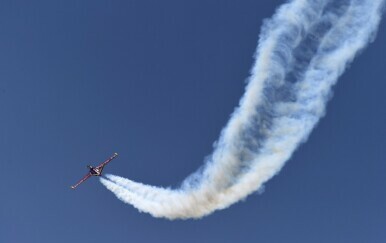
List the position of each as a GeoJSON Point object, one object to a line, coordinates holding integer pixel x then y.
{"type": "Point", "coordinates": [95, 171]}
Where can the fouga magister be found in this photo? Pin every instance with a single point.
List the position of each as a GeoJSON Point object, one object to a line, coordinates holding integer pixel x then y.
{"type": "Point", "coordinates": [95, 171]}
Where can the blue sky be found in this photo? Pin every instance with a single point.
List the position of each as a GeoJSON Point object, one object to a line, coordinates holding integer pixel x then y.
{"type": "Point", "coordinates": [156, 81]}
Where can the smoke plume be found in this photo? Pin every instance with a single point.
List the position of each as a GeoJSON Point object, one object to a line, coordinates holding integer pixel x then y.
{"type": "Point", "coordinates": [302, 51]}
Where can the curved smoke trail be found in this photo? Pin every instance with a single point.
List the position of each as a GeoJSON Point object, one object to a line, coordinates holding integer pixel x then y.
{"type": "Point", "coordinates": [302, 51]}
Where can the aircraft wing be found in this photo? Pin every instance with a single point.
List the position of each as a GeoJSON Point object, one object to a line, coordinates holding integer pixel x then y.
{"type": "Point", "coordinates": [81, 181]}
{"type": "Point", "coordinates": [107, 161]}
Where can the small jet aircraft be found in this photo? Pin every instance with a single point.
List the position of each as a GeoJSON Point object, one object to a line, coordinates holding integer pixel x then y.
{"type": "Point", "coordinates": [95, 171]}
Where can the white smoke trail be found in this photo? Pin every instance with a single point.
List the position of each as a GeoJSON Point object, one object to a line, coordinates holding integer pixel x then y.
{"type": "Point", "coordinates": [302, 51]}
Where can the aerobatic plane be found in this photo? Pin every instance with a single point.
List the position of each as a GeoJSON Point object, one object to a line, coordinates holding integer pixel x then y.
{"type": "Point", "coordinates": [95, 171]}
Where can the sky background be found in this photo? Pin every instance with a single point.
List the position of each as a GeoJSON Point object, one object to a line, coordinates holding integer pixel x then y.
{"type": "Point", "coordinates": [156, 81]}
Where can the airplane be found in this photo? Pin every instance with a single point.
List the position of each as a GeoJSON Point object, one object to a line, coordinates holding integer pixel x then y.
{"type": "Point", "coordinates": [95, 171]}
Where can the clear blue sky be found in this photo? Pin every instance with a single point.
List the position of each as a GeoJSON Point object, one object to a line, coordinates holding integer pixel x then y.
{"type": "Point", "coordinates": [156, 81]}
